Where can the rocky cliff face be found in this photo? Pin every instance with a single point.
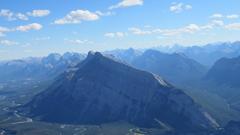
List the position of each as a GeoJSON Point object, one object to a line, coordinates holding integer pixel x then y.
{"type": "Point", "coordinates": [101, 90]}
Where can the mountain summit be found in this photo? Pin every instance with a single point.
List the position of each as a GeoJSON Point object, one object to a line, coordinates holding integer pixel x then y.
{"type": "Point", "coordinates": [100, 90]}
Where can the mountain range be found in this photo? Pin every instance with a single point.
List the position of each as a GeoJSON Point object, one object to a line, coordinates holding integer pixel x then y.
{"type": "Point", "coordinates": [206, 54]}
{"type": "Point", "coordinates": [136, 86]}
{"type": "Point", "coordinates": [101, 89]}
{"type": "Point", "coordinates": [38, 68]}
{"type": "Point", "coordinates": [176, 68]}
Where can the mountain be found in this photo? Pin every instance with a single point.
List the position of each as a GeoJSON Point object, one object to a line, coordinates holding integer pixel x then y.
{"type": "Point", "coordinates": [101, 89]}
{"type": "Point", "coordinates": [38, 68]}
{"type": "Point", "coordinates": [224, 79]}
{"type": "Point", "coordinates": [225, 71]}
{"type": "Point", "coordinates": [206, 54]}
{"type": "Point", "coordinates": [210, 53]}
{"type": "Point", "coordinates": [126, 55]}
{"type": "Point", "coordinates": [176, 68]}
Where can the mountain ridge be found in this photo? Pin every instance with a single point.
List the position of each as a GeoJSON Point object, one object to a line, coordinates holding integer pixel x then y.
{"type": "Point", "coordinates": [100, 90]}
{"type": "Point", "coordinates": [177, 68]}
{"type": "Point", "coordinates": [37, 68]}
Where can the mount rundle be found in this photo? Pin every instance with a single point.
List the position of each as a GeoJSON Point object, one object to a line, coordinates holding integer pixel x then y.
{"type": "Point", "coordinates": [101, 89]}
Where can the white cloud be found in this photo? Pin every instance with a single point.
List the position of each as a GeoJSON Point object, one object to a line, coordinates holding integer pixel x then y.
{"type": "Point", "coordinates": [23, 28]}
{"type": "Point", "coordinates": [217, 23]}
{"type": "Point", "coordinates": [233, 16]}
{"type": "Point", "coordinates": [7, 13]}
{"type": "Point", "coordinates": [233, 26]}
{"type": "Point", "coordinates": [39, 13]}
{"type": "Point", "coordinates": [8, 42]}
{"type": "Point", "coordinates": [189, 29]}
{"type": "Point", "coordinates": [221, 16]}
{"type": "Point", "coordinates": [138, 31]}
{"type": "Point", "coordinates": [104, 13]}
{"type": "Point", "coordinates": [116, 34]}
{"type": "Point", "coordinates": [188, 7]}
{"type": "Point", "coordinates": [21, 16]}
{"type": "Point", "coordinates": [33, 26]}
{"type": "Point", "coordinates": [11, 16]}
{"type": "Point", "coordinates": [77, 16]}
{"type": "Point", "coordinates": [77, 41]}
{"type": "Point", "coordinates": [3, 30]}
{"type": "Point", "coordinates": [127, 3]}
{"type": "Point", "coordinates": [217, 16]}
{"type": "Point", "coordinates": [179, 7]}
{"type": "Point", "coordinates": [110, 35]}
{"type": "Point", "coordinates": [42, 38]}
{"type": "Point", "coordinates": [120, 34]}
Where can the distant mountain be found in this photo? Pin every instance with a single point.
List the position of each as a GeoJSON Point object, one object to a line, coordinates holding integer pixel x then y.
{"type": "Point", "coordinates": [207, 54]}
{"type": "Point", "coordinates": [38, 68]}
{"type": "Point", "coordinates": [224, 79]}
{"type": "Point", "coordinates": [225, 71]}
{"type": "Point", "coordinates": [100, 90]}
{"type": "Point", "coordinates": [176, 68]}
{"type": "Point", "coordinates": [127, 55]}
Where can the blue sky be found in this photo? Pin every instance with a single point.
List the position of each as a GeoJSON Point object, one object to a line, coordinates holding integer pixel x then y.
{"type": "Point", "coordinates": [40, 27]}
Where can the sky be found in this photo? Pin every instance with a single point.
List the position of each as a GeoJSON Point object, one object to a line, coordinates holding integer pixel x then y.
{"type": "Point", "coordinates": [40, 27]}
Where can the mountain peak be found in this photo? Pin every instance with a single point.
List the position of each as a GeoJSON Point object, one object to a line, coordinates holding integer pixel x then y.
{"type": "Point", "coordinates": [101, 58]}
{"type": "Point", "coordinates": [94, 54]}
{"type": "Point", "coordinates": [102, 90]}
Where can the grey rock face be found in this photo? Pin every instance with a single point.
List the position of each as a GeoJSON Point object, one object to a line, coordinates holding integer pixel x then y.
{"type": "Point", "coordinates": [101, 90]}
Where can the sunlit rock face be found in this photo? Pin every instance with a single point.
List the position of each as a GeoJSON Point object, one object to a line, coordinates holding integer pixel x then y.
{"type": "Point", "coordinates": [101, 90]}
